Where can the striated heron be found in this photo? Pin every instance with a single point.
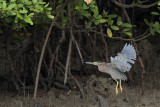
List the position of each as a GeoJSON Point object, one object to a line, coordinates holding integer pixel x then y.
{"type": "Point", "coordinates": [119, 65]}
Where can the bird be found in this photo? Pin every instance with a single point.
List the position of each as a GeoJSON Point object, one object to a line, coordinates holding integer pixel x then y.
{"type": "Point", "coordinates": [118, 65]}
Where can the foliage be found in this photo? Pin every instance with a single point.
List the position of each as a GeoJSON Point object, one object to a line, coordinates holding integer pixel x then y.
{"type": "Point", "coordinates": [112, 22]}
{"type": "Point", "coordinates": [154, 25]}
{"type": "Point", "coordinates": [89, 15]}
{"type": "Point", "coordinates": [21, 12]}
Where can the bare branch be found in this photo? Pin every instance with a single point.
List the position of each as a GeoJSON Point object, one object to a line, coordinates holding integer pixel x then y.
{"type": "Point", "coordinates": [118, 38]}
{"type": "Point", "coordinates": [133, 5]}
{"type": "Point", "coordinates": [68, 59]}
{"type": "Point", "coordinates": [40, 60]}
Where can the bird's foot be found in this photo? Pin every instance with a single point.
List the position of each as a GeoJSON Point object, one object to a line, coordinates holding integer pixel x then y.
{"type": "Point", "coordinates": [121, 89]}
{"type": "Point", "coordinates": [116, 91]}
{"type": "Point", "coordinates": [120, 85]}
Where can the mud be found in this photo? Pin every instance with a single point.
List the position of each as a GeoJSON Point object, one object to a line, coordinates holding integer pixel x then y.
{"type": "Point", "coordinates": [98, 92]}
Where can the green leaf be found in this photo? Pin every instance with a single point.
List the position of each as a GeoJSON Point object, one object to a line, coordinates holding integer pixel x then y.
{"type": "Point", "coordinates": [38, 8]}
{"type": "Point", "coordinates": [109, 32]}
{"type": "Point", "coordinates": [146, 21]}
{"type": "Point", "coordinates": [112, 16]}
{"type": "Point", "coordinates": [20, 5]}
{"type": "Point", "coordinates": [16, 19]}
{"type": "Point", "coordinates": [101, 20]}
{"type": "Point", "coordinates": [152, 31]}
{"type": "Point", "coordinates": [12, 0]}
{"type": "Point", "coordinates": [92, 5]}
{"type": "Point", "coordinates": [28, 20]}
{"type": "Point", "coordinates": [46, 5]}
{"type": "Point", "coordinates": [4, 4]}
{"type": "Point", "coordinates": [114, 27]}
{"type": "Point", "coordinates": [104, 14]}
{"type": "Point", "coordinates": [119, 21]}
{"type": "Point", "coordinates": [78, 7]}
{"type": "Point", "coordinates": [126, 29]}
{"type": "Point", "coordinates": [127, 25]}
{"type": "Point", "coordinates": [23, 11]}
{"type": "Point", "coordinates": [34, 1]}
{"type": "Point", "coordinates": [11, 6]}
{"type": "Point", "coordinates": [98, 17]}
{"type": "Point", "coordinates": [95, 11]}
{"type": "Point", "coordinates": [96, 22]}
{"type": "Point", "coordinates": [51, 17]}
{"type": "Point", "coordinates": [84, 6]}
{"type": "Point", "coordinates": [31, 15]}
{"type": "Point", "coordinates": [19, 16]}
{"type": "Point", "coordinates": [85, 13]}
{"type": "Point", "coordinates": [128, 33]}
{"type": "Point", "coordinates": [156, 27]}
{"type": "Point", "coordinates": [88, 24]}
{"type": "Point", "coordinates": [110, 21]}
{"type": "Point", "coordinates": [43, 3]}
{"type": "Point", "coordinates": [49, 8]}
{"type": "Point", "coordinates": [155, 13]}
{"type": "Point", "coordinates": [157, 24]}
{"type": "Point", "coordinates": [12, 13]}
{"type": "Point", "coordinates": [28, 2]}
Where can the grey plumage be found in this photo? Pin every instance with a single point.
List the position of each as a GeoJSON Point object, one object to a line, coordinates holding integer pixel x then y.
{"type": "Point", "coordinates": [119, 64]}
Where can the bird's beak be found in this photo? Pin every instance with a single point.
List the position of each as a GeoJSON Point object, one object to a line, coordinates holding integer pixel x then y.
{"type": "Point", "coordinates": [89, 62]}
{"type": "Point", "coordinates": [93, 63]}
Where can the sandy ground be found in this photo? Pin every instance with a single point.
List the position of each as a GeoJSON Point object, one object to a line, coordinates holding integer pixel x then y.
{"type": "Point", "coordinates": [98, 92]}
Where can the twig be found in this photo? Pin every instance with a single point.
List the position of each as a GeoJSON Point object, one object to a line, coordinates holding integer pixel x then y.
{"type": "Point", "coordinates": [72, 77]}
{"type": "Point", "coordinates": [117, 38]}
{"type": "Point", "coordinates": [78, 49]}
{"type": "Point", "coordinates": [105, 44]}
{"type": "Point", "coordinates": [142, 67]}
{"type": "Point", "coordinates": [133, 5]}
{"type": "Point", "coordinates": [78, 84]}
{"type": "Point", "coordinates": [94, 45]}
{"type": "Point", "coordinates": [14, 74]}
{"type": "Point", "coordinates": [68, 59]}
{"type": "Point", "coordinates": [55, 52]}
{"type": "Point", "coordinates": [40, 60]}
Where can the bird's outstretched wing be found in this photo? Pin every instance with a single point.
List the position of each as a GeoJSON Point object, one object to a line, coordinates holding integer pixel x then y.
{"type": "Point", "coordinates": [129, 53]}
{"type": "Point", "coordinates": [124, 59]}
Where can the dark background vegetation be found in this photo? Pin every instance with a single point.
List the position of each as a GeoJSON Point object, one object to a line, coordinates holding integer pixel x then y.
{"type": "Point", "coordinates": [76, 37]}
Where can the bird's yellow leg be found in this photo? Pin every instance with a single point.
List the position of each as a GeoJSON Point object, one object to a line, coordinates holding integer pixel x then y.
{"type": "Point", "coordinates": [117, 87]}
{"type": "Point", "coordinates": [120, 85]}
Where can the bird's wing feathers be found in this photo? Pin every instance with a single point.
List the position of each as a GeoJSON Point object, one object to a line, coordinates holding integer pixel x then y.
{"type": "Point", "coordinates": [124, 59]}
{"type": "Point", "coordinates": [120, 64]}
{"type": "Point", "coordinates": [129, 52]}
